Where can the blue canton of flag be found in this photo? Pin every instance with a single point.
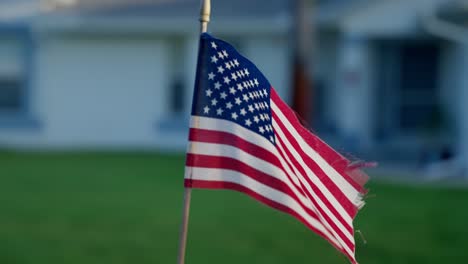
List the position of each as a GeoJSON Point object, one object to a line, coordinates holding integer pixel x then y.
{"type": "Point", "coordinates": [230, 87]}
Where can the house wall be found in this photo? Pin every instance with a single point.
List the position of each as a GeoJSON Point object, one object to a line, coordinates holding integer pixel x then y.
{"type": "Point", "coordinates": [103, 91]}
{"type": "Point", "coordinates": [388, 17]}
{"type": "Point", "coordinates": [461, 101]}
{"type": "Point", "coordinates": [10, 56]}
{"type": "Point", "coordinates": [91, 91]}
{"type": "Point", "coordinates": [325, 68]}
{"type": "Point", "coordinates": [448, 86]}
{"type": "Point", "coordinates": [355, 88]}
{"type": "Point", "coordinates": [112, 91]}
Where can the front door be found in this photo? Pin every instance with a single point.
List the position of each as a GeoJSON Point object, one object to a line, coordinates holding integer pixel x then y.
{"type": "Point", "coordinates": [408, 89]}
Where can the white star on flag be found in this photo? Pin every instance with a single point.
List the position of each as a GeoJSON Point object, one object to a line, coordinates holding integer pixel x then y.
{"type": "Point", "coordinates": [234, 116]}
{"type": "Point", "coordinates": [221, 55]}
{"type": "Point", "coordinates": [234, 76]}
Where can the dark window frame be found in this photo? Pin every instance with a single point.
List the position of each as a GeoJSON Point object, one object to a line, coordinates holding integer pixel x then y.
{"type": "Point", "coordinates": [11, 91]}
{"type": "Point", "coordinates": [22, 117]}
{"type": "Point", "coordinates": [391, 97]}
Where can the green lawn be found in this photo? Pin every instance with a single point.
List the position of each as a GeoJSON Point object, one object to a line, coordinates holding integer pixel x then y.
{"type": "Point", "coordinates": [126, 208]}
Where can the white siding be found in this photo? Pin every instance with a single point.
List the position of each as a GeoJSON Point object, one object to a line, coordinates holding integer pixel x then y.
{"type": "Point", "coordinates": [461, 67]}
{"type": "Point", "coordinates": [388, 17]}
{"type": "Point", "coordinates": [448, 92]}
{"type": "Point", "coordinates": [355, 90]}
{"type": "Point", "coordinates": [325, 67]}
{"type": "Point", "coordinates": [97, 92]}
{"type": "Point", "coordinates": [11, 57]}
{"type": "Point", "coordinates": [112, 91]}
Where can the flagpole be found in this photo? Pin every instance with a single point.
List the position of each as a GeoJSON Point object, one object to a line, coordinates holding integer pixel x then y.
{"type": "Point", "coordinates": [205, 11]}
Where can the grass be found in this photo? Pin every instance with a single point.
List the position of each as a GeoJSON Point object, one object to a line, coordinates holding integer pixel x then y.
{"type": "Point", "coordinates": [126, 208]}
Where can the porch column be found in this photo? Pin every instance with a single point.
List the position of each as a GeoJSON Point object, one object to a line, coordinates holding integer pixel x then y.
{"type": "Point", "coordinates": [354, 92]}
{"type": "Point", "coordinates": [462, 116]}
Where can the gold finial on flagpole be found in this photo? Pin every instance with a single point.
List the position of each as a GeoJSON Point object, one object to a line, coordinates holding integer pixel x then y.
{"type": "Point", "coordinates": [205, 13]}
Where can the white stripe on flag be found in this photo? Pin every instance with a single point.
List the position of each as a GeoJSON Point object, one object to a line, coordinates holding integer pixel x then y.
{"type": "Point", "coordinates": [220, 150]}
{"type": "Point", "coordinates": [350, 192]}
{"type": "Point", "coordinates": [311, 175]}
{"type": "Point", "coordinates": [232, 128]}
{"type": "Point", "coordinates": [330, 215]}
{"type": "Point", "coordinates": [220, 175]}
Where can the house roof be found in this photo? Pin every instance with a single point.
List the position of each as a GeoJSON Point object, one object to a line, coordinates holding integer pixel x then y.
{"type": "Point", "coordinates": [332, 11]}
{"type": "Point", "coordinates": [221, 9]}
{"type": "Point", "coordinates": [455, 12]}
{"type": "Point", "coordinates": [17, 10]}
{"type": "Point", "coordinates": [386, 18]}
{"type": "Point", "coordinates": [179, 15]}
{"type": "Point", "coordinates": [171, 16]}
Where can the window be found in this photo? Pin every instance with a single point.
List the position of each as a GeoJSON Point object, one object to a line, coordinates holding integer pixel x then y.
{"type": "Point", "coordinates": [10, 94]}
{"type": "Point", "coordinates": [418, 86]}
{"type": "Point", "coordinates": [15, 60]}
{"type": "Point", "coordinates": [177, 85]}
{"type": "Point", "coordinates": [11, 62]}
{"type": "Point", "coordinates": [408, 78]}
{"type": "Point", "coordinates": [176, 118]}
{"type": "Point", "coordinates": [177, 93]}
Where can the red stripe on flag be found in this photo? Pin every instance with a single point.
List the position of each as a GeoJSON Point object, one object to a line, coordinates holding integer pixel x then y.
{"type": "Point", "coordinates": [339, 163]}
{"type": "Point", "coordinates": [349, 207]}
{"type": "Point", "coordinates": [258, 197]}
{"type": "Point", "coordinates": [326, 218]}
{"type": "Point", "coordinates": [322, 197]}
{"type": "Point", "coordinates": [219, 137]}
{"type": "Point", "coordinates": [205, 161]}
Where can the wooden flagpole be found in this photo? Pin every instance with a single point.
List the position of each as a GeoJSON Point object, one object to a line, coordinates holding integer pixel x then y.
{"type": "Point", "coordinates": [205, 12]}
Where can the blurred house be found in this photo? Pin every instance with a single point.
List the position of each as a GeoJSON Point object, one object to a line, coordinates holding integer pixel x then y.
{"type": "Point", "coordinates": [390, 76]}
{"type": "Point", "coordinates": [392, 79]}
{"type": "Point", "coordinates": [119, 74]}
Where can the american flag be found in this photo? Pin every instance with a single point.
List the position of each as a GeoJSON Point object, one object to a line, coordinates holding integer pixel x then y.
{"type": "Point", "coordinates": [243, 137]}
